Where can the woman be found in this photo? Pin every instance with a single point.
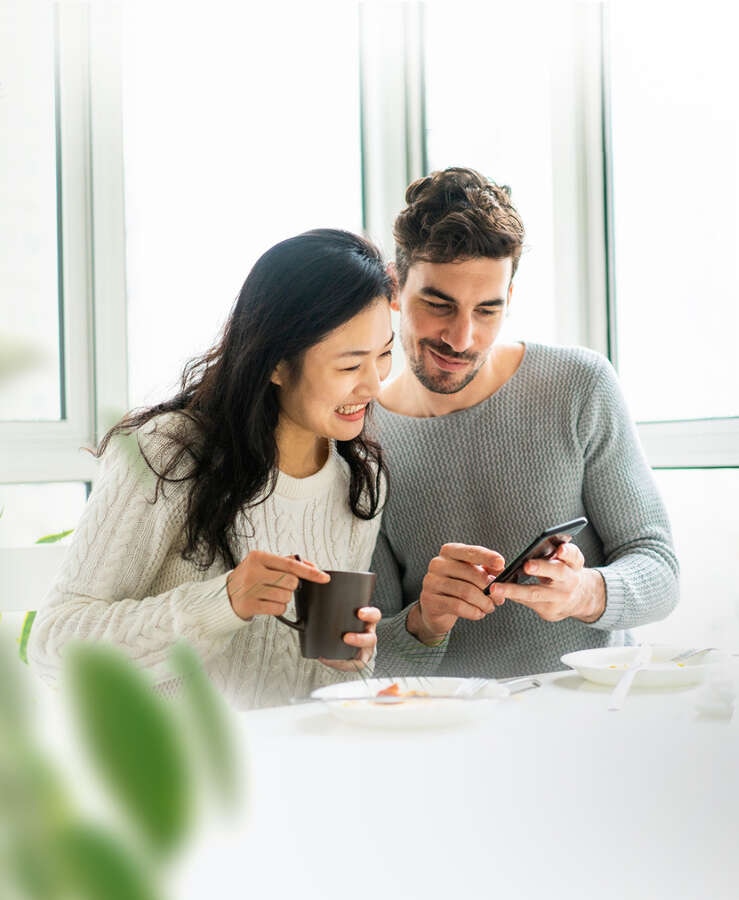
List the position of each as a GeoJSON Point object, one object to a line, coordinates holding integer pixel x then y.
{"type": "Point", "coordinates": [206, 504]}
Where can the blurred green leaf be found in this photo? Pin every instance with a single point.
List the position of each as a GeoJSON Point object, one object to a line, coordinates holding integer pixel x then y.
{"type": "Point", "coordinates": [13, 713]}
{"type": "Point", "coordinates": [53, 538]}
{"type": "Point", "coordinates": [96, 866]}
{"type": "Point", "coordinates": [209, 727]}
{"type": "Point", "coordinates": [132, 737]}
{"type": "Point", "coordinates": [25, 634]}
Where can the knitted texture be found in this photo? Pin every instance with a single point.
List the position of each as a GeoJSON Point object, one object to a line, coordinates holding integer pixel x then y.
{"type": "Point", "coordinates": [553, 443]}
{"type": "Point", "coordinates": [124, 580]}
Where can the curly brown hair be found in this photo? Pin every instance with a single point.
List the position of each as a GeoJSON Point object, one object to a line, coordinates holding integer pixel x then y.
{"type": "Point", "coordinates": [456, 214]}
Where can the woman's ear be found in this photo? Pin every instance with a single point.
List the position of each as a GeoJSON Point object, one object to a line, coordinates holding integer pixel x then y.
{"type": "Point", "coordinates": [392, 271]}
{"type": "Point", "coordinates": [278, 375]}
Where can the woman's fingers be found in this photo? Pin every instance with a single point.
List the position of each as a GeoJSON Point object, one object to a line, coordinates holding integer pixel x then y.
{"type": "Point", "coordinates": [263, 581]}
{"type": "Point", "coordinates": [365, 641]}
{"type": "Point", "coordinates": [369, 614]}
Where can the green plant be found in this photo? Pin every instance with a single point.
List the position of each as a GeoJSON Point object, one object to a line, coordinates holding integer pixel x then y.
{"type": "Point", "coordinates": [154, 757]}
{"type": "Point", "coordinates": [31, 614]}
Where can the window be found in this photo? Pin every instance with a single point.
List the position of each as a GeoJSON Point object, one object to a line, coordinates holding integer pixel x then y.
{"type": "Point", "coordinates": [493, 111]}
{"type": "Point", "coordinates": [228, 149]}
{"type": "Point", "coordinates": [30, 367]}
{"type": "Point", "coordinates": [47, 385]}
{"type": "Point", "coordinates": [673, 158]}
{"type": "Point", "coordinates": [674, 142]}
{"type": "Point", "coordinates": [250, 132]}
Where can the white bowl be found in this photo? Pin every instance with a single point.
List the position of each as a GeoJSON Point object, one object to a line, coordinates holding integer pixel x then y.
{"type": "Point", "coordinates": [606, 665]}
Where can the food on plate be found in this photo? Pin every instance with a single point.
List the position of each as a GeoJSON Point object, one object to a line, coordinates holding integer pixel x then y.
{"type": "Point", "coordinates": [394, 691]}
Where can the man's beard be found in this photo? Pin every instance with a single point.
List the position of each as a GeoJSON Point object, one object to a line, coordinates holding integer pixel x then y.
{"type": "Point", "coordinates": [442, 382]}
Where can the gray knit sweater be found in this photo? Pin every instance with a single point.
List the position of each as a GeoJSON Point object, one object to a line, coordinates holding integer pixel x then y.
{"type": "Point", "coordinates": [553, 443]}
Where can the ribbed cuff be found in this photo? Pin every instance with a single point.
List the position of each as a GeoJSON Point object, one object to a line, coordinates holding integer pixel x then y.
{"type": "Point", "coordinates": [612, 618]}
{"type": "Point", "coordinates": [400, 653]}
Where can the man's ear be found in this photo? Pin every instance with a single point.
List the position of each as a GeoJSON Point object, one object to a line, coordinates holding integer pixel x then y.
{"type": "Point", "coordinates": [392, 271]}
{"type": "Point", "coordinates": [509, 298]}
{"type": "Point", "coordinates": [278, 375]}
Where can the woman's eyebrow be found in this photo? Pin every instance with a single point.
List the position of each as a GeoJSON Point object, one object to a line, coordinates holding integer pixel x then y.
{"type": "Point", "coordinates": [364, 352]}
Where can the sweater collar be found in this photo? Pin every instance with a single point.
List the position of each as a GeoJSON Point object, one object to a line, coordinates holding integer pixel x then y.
{"type": "Point", "coordinates": [302, 488]}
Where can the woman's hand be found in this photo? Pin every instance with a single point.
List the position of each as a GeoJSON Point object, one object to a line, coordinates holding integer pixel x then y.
{"type": "Point", "coordinates": [262, 584]}
{"type": "Point", "coordinates": [366, 640]}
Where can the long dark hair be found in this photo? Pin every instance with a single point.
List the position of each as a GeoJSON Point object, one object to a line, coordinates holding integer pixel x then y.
{"type": "Point", "coordinates": [298, 291]}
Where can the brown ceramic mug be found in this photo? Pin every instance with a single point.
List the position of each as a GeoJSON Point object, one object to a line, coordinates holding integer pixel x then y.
{"type": "Point", "coordinates": [326, 612]}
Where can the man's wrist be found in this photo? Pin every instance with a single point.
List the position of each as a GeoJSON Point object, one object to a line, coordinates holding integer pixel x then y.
{"type": "Point", "coordinates": [416, 627]}
{"type": "Point", "coordinates": [594, 596]}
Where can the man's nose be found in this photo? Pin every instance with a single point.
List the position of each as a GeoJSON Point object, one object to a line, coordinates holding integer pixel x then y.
{"type": "Point", "coordinates": [458, 333]}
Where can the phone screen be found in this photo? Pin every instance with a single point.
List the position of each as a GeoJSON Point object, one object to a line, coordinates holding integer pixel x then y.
{"type": "Point", "coordinates": [542, 547]}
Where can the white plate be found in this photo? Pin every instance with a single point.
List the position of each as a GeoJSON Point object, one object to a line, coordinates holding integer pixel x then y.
{"type": "Point", "coordinates": [354, 701]}
{"type": "Point", "coordinates": [606, 665]}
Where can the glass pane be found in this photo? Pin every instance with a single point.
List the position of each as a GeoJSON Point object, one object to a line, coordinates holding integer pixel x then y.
{"type": "Point", "coordinates": [29, 301]}
{"type": "Point", "coordinates": [708, 612]}
{"type": "Point", "coordinates": [32, 511]}
{"type": "Point", "coordinates": [675, 133]}
{"type": "Point", "coordinates": [488, 106]}
{"type": "Point", "coordinates": [248, 134]}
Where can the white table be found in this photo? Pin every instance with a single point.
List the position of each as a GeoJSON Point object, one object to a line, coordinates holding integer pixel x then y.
{"type": "Point", "coordinates": [550, 796]}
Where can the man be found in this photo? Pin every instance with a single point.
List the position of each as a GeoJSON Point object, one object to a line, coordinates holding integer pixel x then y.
{"type": "Point", "coordinates": [489, 443]}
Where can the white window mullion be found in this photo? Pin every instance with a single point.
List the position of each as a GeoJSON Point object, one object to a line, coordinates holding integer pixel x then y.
{"type": "Point", "coordinates": [695, 443]}
{"type": "Point", "coordinates": [50, 451]}
{"type": "Point", "coordinates": [108, 218]}
{"type": "Point", "coordinates": [392, 112]}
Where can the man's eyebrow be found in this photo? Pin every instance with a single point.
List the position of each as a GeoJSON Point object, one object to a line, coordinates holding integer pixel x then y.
{"type": "Point", "coordinates": [447, 298]}
{"type": "Point", "coordinates": [364, 352]}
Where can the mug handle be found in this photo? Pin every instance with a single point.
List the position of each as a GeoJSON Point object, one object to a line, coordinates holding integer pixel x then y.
{"type": "Point", "coordinates": [299, 625]}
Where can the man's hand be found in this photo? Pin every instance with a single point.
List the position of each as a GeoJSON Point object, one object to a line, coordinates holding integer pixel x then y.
{"type": "Point", "coordinates": [565, 589]}
{"type": "Point", "coordinates": [452, 589]}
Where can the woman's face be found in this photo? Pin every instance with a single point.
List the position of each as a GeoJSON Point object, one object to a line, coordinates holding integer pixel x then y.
{"type": "Point", "coordinates": [339, 377]}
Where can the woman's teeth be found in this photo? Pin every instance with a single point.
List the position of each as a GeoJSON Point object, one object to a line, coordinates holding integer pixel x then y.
{"type": "Point", "coordinates": [349, 410]}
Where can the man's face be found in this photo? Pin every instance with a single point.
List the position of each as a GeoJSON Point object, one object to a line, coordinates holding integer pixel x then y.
{"type": "Point", "coordinates": [451, 314]}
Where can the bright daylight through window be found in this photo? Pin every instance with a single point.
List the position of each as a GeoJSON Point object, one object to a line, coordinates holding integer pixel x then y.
{"type": "Point", "coordinates": [675, 139]}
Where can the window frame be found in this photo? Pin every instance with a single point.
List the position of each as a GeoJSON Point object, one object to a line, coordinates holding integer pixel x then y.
{"type": "Point", "coordinates": [689, 443]}
{"type": "Point", "coordinates": [91, 255]}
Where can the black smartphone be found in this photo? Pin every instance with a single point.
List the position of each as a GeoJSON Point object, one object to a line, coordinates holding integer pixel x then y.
{"type": "Point", "coordinates": [542, 548]}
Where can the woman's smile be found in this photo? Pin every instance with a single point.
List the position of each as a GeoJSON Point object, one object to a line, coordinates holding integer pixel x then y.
{"type": "Point", "coordinates": [351, 412]}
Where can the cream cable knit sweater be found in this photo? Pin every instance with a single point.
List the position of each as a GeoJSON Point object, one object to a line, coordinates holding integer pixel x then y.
{"type": "Point", "coordinates": [124, 579]}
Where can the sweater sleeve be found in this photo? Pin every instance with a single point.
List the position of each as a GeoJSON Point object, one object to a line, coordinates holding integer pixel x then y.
{"type": "Point", "coordinates": [124, 581]}
{"type": "Point", "coordinates": [624, 506]}
{"type": "Point", "coordinates": [398, 651]}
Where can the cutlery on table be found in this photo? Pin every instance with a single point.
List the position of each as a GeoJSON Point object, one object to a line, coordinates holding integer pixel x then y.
{"type": "Point", "coordinates": [640, 661]}
{"type": "Point", "coordinates": [473, 686]}
{"type": "Point", "coordinates": [520, 683]}
{"type": "Point", "coordinates": [470, 687]}
{"type": "Point", "coordinates": [689, 654]}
